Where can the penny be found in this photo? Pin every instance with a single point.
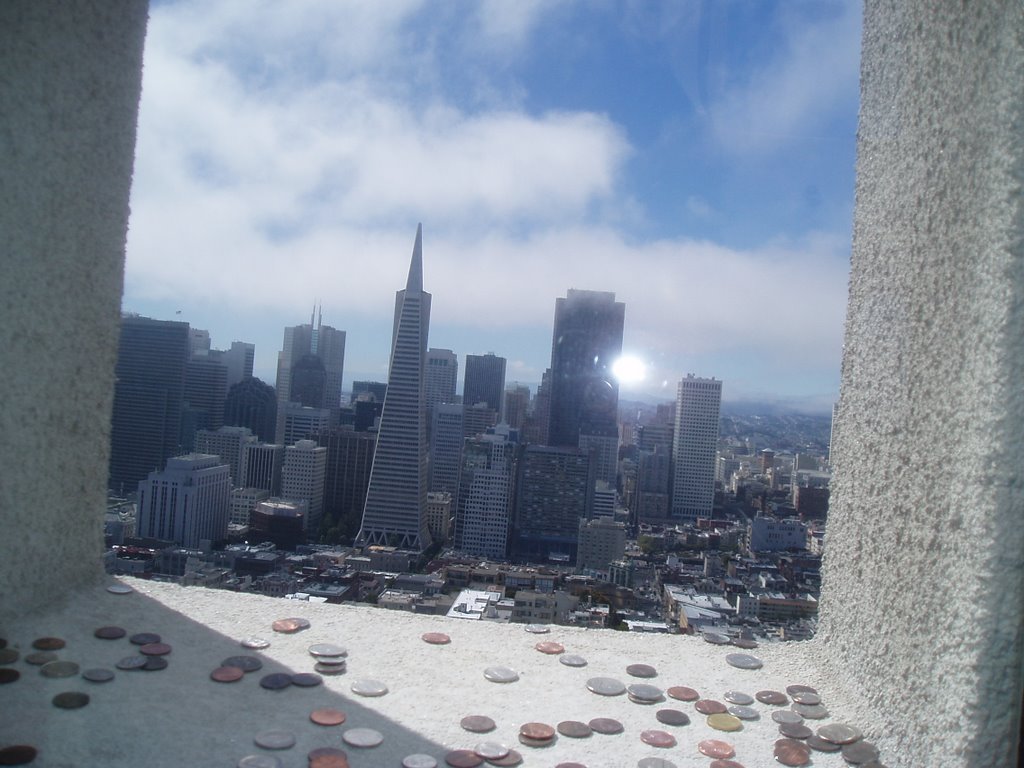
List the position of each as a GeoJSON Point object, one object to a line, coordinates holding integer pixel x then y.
{"type": "Point", "coordinates": [550, 648]}
{"type": "Point", "coordinates": [260, 761]}
{"type": "Point", "coordinates": [329, 669]}
{"type": "Point", "coordinates": [573, 660]}
{"type": "Point", "coordinates": [369, 687]}
{"type": "Point", "coordinates": [48, 643]}
{"type": "Point", "coordinates": [275, 739]}
{"type": "Point", "coordinates": [606, 686]}
{"type": "Point", "coordinates": [477, 723]}
{"type": "Point", "coordinates": [736, 697]}
{"type": "Point", "coordinates": [743, 661]}
{"type": "Point", "coordinates": [120, 589]}
{"type": "Point", "coordinates": [724, 764]}
{"type": "Point", "coordinates": [775, 698]}
{"type": "Point", "coordinates": [785, 716]}
{"type": "Point", "coordinates": [276, 681]}
{"type": "Point", "coordinates": [306, 680]}
{"type": "Point", "coordinates": [574, 729]}
{"type": "Point", "coordinates": [144, 638]}
{"type": "Point", "coordinates": [8, 655]}
{"type": "Point", "coordinates": [606, 726]}
{"type": "Point", "coordinates": [501, 674]}
{"type": "Point", "coordinates": [154, 664]}
{"type": "Point", "coordinates": [682, 693]}
{"type": "Point", "coordinates": [795, 731]}
{"type": "Point", "coordinates": [132, 662]}
{"type": "Point", "coordinates": [8, 675]}
{"type": "Point", "coordinates": [538, 629]}
{"type": "Point", "coordinates": [641, 670]}
{"type": "Point", "coordinates": [792, 689]}
{"type": "Point", "coordinates": [59, 669]}
{"type": "Point", "coordinates": [535, 743]}
{"type": "Point", "coordinates": [363, 738]}
{"type": "Point", "coordinates": [716, 748]}
{"type": "Point", "coordinates": [329, 761]}
{"type": "Point", "coordinates": [327, 716]}
{"type": "Point", "coordinates": [660, 739]}
{"type": "Point", "coordinates": [860, 752]}
{"type": "Point", "coordinates": [289, 626]}
{"type": "Point", "coordinates": [821, 745]}
{"type": "Point", "coordinates": [463, 758]}
{"type": "Point", "coordinates": [538, 731]}
{"type": "Point", "coordinates": [491, 750]}
{"type": "Point", "coordinates": [512, 758]}
{"type": "Point", "coordinates": [672, 717]}
{"type": "Point", "coordinates": [326, 752]}
{"type": "Point", "coordinates": [811, 711]}
{"type": "Point", "coordinates": [227, 674]}
{"type": "Point", "coordinates": [327, 651]}
{"type": "Point", "coordinates": [744, 713]}
{"type": "Point", "coordinates": [716, 638]}
{"type": "Point", "coordinates": [419, 761]}
{"type": "Point", "coordinates": [41, 657]}
{"type": "Point", "coordinates": [244, 663]}
{"type": "Point", "coordinates": [255, 643]}
{"type": "Point", "coordinates": [654, 762]}
{"type": "Point", "coordinates": [806, 697]}
{"type": "Point", "coordinates": [710, 707]}
{"type": "Point", "coordinates": [155, 649]}
{"type": "Point", "coordinates": [725, 722]}
{"type": "Point", "coordinates": [436, 638]}
{"type": "Point", "coordinates": [792, 753]}
{"type": "Point", "coordinates": [745, 643]}
{"type": "Point", "coordinates": [110, 633]}
{"type": "Point", "coordinates": [71, 700]}
{"type": "Point", "coordinates": [17, 754]}
{"type": "Point", "coordinates": [840, 733]}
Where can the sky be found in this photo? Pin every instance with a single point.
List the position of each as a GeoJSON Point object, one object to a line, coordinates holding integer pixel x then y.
{"type": "Point", "coordinates": [696, 157]}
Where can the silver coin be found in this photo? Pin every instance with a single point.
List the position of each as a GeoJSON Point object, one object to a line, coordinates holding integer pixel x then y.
{"type": "Point", "coordinates": [275, 739]}
{"type": "Point", "coordinates": [811, 711]}
{"type": "Point", "coordinates": [840, 733]}
{"type": "Point", "coordinates": [330, 669]}
{"type": "Point", "coordinates": [606, 686]}
{"type": "Point", "coordinates": [744, 712]}
{"type": "Point", "coordinates": [39, 658]}
{"type": "Point", "coordinates": [645, 692]}
{"type": "Point", "coordinates": [743, 661]}
{"type": "Point", "coordinates": [369, 687]}
{"type": "Point", "coordinates": [98, 675]}
{"type": "Point", "coordinates": [785, 716]}
{"type": "Point", "coordinates": [120, 589]}
{"type": "Point", "coordinates": [654, 762]}
{"type": "Point", "coordinates": [328, 650]}
{"type": "Point", "coordinates": [860, 752]}
{"type": "Point", "coordinates": [418, 761]}
{"type": "Point", "coordinates": [362, 737]}
{"type": "Point", "coordinates": [256, 644]}
{"type": "Point", "coordinates": [572, 660]}
{"type": "Point", "coordinates": [716, 638]}
{"type": "Point", "coordinates": [501, 674]}
{"type": "Point", "coordinates": [132, 662]}
{"type": "Point", "coordinates": [538, 629]}
{"type": "Point", "coordinates": [491, 750]}
{"type": "Point", "coordinates": [260, 761]}
{"type": "Point", "coordinates": [806, 697]}
{"type": "Point", "coordinates": [244, 663]}
{"type": "Point", "coordinates": [737, 697]}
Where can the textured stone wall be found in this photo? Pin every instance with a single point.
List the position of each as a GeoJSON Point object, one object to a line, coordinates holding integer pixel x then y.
{"type": "Point", "coordinates": [70, 77]}
{"type": "Point", "coordinates": [924, 575]}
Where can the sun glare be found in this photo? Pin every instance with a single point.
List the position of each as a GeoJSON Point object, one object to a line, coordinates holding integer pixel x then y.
{"type": "Point", "coordinates": [629, 370]}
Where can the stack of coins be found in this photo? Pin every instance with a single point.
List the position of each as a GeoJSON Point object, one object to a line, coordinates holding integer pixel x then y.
{"type": "Point", "coordinates": [330, 658]}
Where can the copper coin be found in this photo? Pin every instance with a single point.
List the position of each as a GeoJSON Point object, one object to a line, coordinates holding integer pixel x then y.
{"type": "Point", "coordinates": [71, 700]}
{"type": "Point", "coordinates": [477, 723]}
{"type": "Point", "coordinates": [463, 758]}
{"type": "Point", "coordinates": [821, 745]}
{"type": "Point", "coordinates": [110, 633]}
{"type": "Point", "coordinates": [327, 716]}
{"type": "Point", "coordinates": [144, 638]}
{"type": "Point", "coordinates": [716, 748]}
{"type": "Point", "coordinates": [17, 754]}
{"type": "Point", "coordinates": [795, 731]}
{"type": "Point", "coordinates": [710, 707]}
{"type": "Point", "coordinates": [289, 626]}
{"type": "Point", "coordinates": [512, 758]}
{"type": "Point", "coordinates": [155, 649]}
{"type": "Point", "coordinates": [48, 643]}
{"type": "Point", "coordinates": [574, 729]}
{"type": "Point", "coordinates": [526, 741]}
{"type": "Point", "coordinates": [39, 658]}
{"type": "Point", "coordinates": [491, 750]}
{"type": "Point", "coordinates": [775, 698]}
{"type": "Point", "coordinates": [860, 752]}
{"type": "Point", "coordinates": [154, 664]}
{"type": "Point", "coordinates": [436, 638]}
{"type": "Point", "coordinates": [641, 670]}
{"type": "Point", "coordinates": [59, 669]}
{"type": "Point", "coordinates": [682, 693]}
{"type": "Point", "coordinates": [8, 675]}
{"type": "Point", "coordinates": [840, 733]}
{"type": "Point", "coordinates": [550, 648]}
{"type": "Point", "coordinates": [672, 717]}
{"type": "Point", "coordinates": [276, 681]}
{"type": "Point", "coordinates": [538, 731]}
{"type": "Point", "coordinates": [244, 663]}
{"type": "Point", "coordinates": [364, 738]}
{"type": "Point", "coordinates": [132, 662]}
{"type": "Point", "coordinates": [606, 726]}
{"type": "Point", "coordinates": [329, 761]}
{"type": "Point", "coordinates": [725, 764]}
{"type": "Point", "coordinates": [658, 739]}
{"type": "Point", "coordinates": [326, 752]}
{"type": "Point", "coordinates": [725, 722]}
{"type": "Point", "coordinates": [9, 655]}
{"type": "Point", "coordinates": [806, 697]}
{"type": "Point", "coordinates": [791, 689]}
{"type": "Point", "coordinates": [792, 753]}
{"type": "Point", "coordinates": [227, 674]}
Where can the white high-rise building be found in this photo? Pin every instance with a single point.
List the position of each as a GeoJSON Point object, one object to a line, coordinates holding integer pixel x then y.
{"type": "Point", "coordinates": [302, 479]}
{"type": "Point", "coordinates": [227, 443]}
{"type": "Point", "coordinates": [260, 466]}
{"type": "Point", "coordinates": [188, 502]}
{"type": "Point", "coordinates": [485, 496]}
{"type": "Point", "coordinates": [694, 448]}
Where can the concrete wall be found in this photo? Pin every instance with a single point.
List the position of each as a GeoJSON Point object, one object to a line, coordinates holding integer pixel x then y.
{"type": "Point", "coordinates": [924, 577]}
{"type": "Point", "coordinates": [70, 77]}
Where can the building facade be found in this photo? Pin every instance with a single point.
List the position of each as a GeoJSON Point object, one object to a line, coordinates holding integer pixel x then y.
{"type": "Point", "coordinates": [485, 496]}
{"type": "Point", "coordinates": [252, 403]}
{"type": "Point", "coordinates": [698, 406]}
{"type": "Point", "coordinates": [302, 479]}
{"type": "Point", "coordinates": [188, 502]}
{"type": "Point", "coordinates": [485, 380]}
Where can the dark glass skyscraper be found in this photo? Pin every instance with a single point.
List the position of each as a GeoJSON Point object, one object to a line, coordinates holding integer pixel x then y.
{"type": "Point", "coordinates": [252, 403]}
{"type": "Point", "coordinates": [485, 381]}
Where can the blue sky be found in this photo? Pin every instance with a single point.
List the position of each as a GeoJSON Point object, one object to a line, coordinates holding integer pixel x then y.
{"type": "Point", "coordinates": [694, 157]}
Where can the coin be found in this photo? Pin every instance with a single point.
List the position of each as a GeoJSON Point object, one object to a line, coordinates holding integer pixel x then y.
{"type": "Point", "coordinates": [154, 664]}
{"type": "Point", "coordinates": [71, 700]}
{"type": "Point", "coordinates": [244, 663]}
{"type": "Point", "coordinates": [736, 697]}
{"type": "Point", "coordinates": [550, 648]}
{"type": "Point", "coordinates": [538, 629]}
{"type": "Point", "coordinates": [537, 731]}
{"type": "Point", "coordinates": [821, 745]}
{"type": "Point", "coordinates": [276, 681]}
{"type": "Point", "coordinates": [785, 716]}
{"type": "Point", "coordinates": [327, 716]}
{"type": "Point", "coordinates": [327, 651]}
{"type": "Point", "coordinates": [606, 686]}
{"type": "Point", "coordinates": [17, 754]}
{"type": "Point", "coordinates": [501, 674]}
{"type": "Point", "coordinates": [795, 730]}
{"type": "Point", "coordinates": [275, 739]}
{"type": "Point", "coordinates": [792, 689]}
{"type": "Point", "coordinates": [477, 723]}
{"type": "Point", "coordinates": [418, 761]}
{"type": "Point", "coordinates": [725, 722]}
{"type": "Point", "coordinates": [255, 643]}
{"type": "Point", "coordinates": [644, 692]}
{"type": "Point", "coordinates": [606, 726]}
{"type": "Point", "coordinates": [326, 752]}
{"type": "Point", "coordinates": [8, 655]}
{"type": "Point", "coordinates": [155, 649]}
{"type": "Point", "coordinates": [743, 661]}
{"type": "Point", "coordinates": [259, 761]}
{"type": "Point", "coordinates": [573, 660]}
{"type": "Point", "coordinates": [289, 626]}
{"type": "Point", "coordinates": [775, 698]}
{"type": "Point", "coordinates": [840, 733]}
{"type": "Point", "coordinates": [574, 729]}
{"type": "Point", "coordinates": [144, 638]}
{"type": "Point", "coordinates": [682, 693]}
{"type": "Point", "coordinates": [109, 633]}
{"type": "Point", "coordinates": [716, 638]}
{"type": "Point", "coordinates": [512, 758]}
{"type": "Point", "coordinates": [369, 687]}
{"type": "Point", "coordinates": [491, 750]}
{"type": "Point", "coordinates": [745, 643]}
{"type": "Point", "coordinates": [860, 752]}
{"type": "Point", "coordinates": [716, 748]}
{"type": "Point", "coordinates": [39, 658]}
{"type": "Point", "coordinates": [806, 697]}
{"type": "Point", "coordinates": [535, 743]}
{"type": "Point", "coordinates": [641, 670]}
{"type": "Point", "coordinates": [362, 737]}
{"type": "Point", "coordinates": [744, 713]}
{"type": "Point", "coordinates": [8, 675]}
{"type": "Point", "coordinates": [329, 669]}
{"type": "Point", "coordinates": [59, 669]}
{"type": "Point", "coordinates": [811, 711]}
{"type": "Point", "coordinates": [463, 758]}
{"type": "Point", "coordinates": [48, 643]}
{"type": "Point", "coordinates": [710, 707]}
{"type": "Point", "coordinates": [659, 739]}
{"type": "Point", "coordinates": [792, 753]}
{"type": "Point", "coordinates": [306, 680]}
{"type": "Point", "coordinates": [227, 674]}
{"type": "Point", "coordinates": [132, 662]}
{"type": "Point", "coordinates": [329, 761]}
{"type": "Point", "coordinates": [724, 764]}
{"type": "Point", "coordinates": [672, 717]}
{"type": "Point", "coordinates": [119, 589]}
{"type": "Point", "coordinates": [436, 638]}
{"type": "Point", "coordinates": [654, 762]}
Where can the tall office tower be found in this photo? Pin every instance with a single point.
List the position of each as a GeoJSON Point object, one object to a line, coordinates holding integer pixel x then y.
{"type": "Point", "coordinates": [145, 425]}
{"type": "Point", "coordinates": [605, 450]}
{"type": "Point", "coordinates": [516, 406]}
{"type": "Point", "coordinates": [349, 459]}
{"type": "Point", "coordinates": [586, 342]}
{"type": "Point", "coordinates": [252, 403]}
{"type": "Point", "coordinates": [238, 359]}
{"type": "Point", "coordinates": [536, 428]}
{"type": "Point", "coordinates": [187, 503]}
{"type": "Point", "coordinates": [302, 478]}
{"type": "Point", "coordinates": [654, 485]}
{"type": "Point", "coordinates": [299, 422]}
{"type": "Point", "coordinates": [698, 404]}
{"type": "Point", "coordinates": [260, 466]}
{"type": "Point", "coordinates": [477, 419]}
{"type": "Point", "coordinates": [554, 489]}
{"type": "Point", "coordinates": [485, 496]}
{"type": "Point", "coordinates": [485, 380]}
{"type": "Point", "coordinates": [655, 436]}
{"type": "Point", "coordinates": [397, 496]}
{"type": "Point", "coordinates": [309, 368]}
{"type": "Point", "coordinates": [227, 443]}
{"type": "Point", "coordinates": [439, 379]}
{"type": "Point", "coordinates": [446, 441]}
{"type": "Point", "coordinates": [198, 342]}
{"type": "Point", "coordinates": [205, 395]}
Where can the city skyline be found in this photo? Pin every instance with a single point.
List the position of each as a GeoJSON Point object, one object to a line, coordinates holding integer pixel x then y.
{"type": "Point", "coordinates": [697, 160]}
